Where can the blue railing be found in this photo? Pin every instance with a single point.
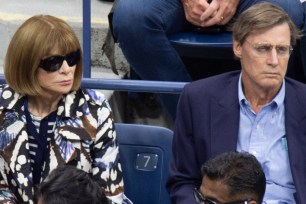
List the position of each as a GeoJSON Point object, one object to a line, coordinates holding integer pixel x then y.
{"type": "Point", "coordinates": [87, 38]}
{"type": "Point", "coordinates": [129, 85]}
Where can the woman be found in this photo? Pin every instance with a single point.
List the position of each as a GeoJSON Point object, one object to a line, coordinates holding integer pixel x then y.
{"type": "Point", "coordinates": [46, 120]}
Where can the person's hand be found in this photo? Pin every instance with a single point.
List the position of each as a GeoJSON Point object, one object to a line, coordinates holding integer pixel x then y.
{"type": "Point", "coordinates": [219, 12]}
{"type": "Point", "coordinates": [194, 9]}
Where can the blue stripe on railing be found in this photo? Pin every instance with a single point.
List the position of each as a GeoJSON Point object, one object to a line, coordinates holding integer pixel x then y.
{"type": "Point", "coordinates": [86, 38]}
{"type": "Point", "coordinates": [134, 85]}
{"type": "Point", "coordinates": [129, 85]}
{"type": "Point", "coordinates": [2, 80]}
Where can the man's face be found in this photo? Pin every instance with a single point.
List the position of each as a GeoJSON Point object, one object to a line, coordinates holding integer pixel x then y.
{"type": "Point", "coordinates": [215, 191]}
{"type": "Point", "coordinates": [264, 57]}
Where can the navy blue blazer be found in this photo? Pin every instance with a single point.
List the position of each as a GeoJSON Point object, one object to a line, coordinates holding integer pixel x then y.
{"type": "Point", "coordinates": [207, 124]}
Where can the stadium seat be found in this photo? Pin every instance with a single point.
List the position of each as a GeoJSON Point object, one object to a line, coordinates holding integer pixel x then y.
{"type": "Point", "coordinates": [145, 152]}
{"type": "Point", "coordinates": [209, 46]}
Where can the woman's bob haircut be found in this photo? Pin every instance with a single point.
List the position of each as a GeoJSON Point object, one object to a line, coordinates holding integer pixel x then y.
{"type": "Point", "coordinates": [35, 39]}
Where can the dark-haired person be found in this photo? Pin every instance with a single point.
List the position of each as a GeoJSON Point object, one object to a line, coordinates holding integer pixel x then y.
{"type": "Point", "coordinates": [46, 119]}
{"type": "Point", "coordinates": [70, 185]}
{"type": "Point", "coordinates": [256, 110]}
{"type": "Point", "coordinates": [231, 177]}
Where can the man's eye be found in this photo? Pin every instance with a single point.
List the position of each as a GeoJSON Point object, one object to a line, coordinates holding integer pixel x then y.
{"type": "Point", "coordinates": [263, 48]}
{"type": "Point", "coordinates": [282, 49]}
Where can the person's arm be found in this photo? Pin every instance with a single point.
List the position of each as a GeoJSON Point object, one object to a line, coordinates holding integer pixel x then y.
{"type": "Point", "coordinates": [184, 171]}
{"type": "Point", "coordinates": [219, 12]}
{"type": "Point", "coordinates": [106, 165]}
{"type": "Point", "coordinates": [6, 196]}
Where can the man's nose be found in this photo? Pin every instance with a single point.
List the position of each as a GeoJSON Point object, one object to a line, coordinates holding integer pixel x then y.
{"type": "Point", "coordinates": [273, 57]}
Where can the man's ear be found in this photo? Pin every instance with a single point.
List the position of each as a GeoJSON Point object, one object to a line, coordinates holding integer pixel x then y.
{"type": "Point", "coordinates": [237, 49]}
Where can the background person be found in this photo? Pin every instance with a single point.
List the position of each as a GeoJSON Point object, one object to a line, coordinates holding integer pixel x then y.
{"type": "Point", "coordinates": [69, 185]}
{"type": "Point", "coordinates": [303, 40]}
{"type": "Point", "coordinates": [142, 29]}
{"type": "Point", "coordinates": [255, 110]}
{"type": "Point", "coordinates": [232, 177]}
{"type": "Point", "coordinates": [46, 119]}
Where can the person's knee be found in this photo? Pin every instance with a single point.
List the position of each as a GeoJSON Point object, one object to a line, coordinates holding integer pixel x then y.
{"type": "Point", "coordinates": [128, 18]}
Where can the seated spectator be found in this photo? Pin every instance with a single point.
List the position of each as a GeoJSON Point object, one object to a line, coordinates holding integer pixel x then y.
{"type": "Point", "coordinates": [142, 29]}
{"type": "Point", "coordinates": [256, 110]}
{"type": "Point", "coordinates": [232, 177]}
{"type": "Point", "coordinates": [47, 119]}
{"type": "Point", "coordinates": [69, 185]}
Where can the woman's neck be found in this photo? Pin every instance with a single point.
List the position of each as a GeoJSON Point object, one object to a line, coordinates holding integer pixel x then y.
{"type": "Point", "coordinates": [42, 106]}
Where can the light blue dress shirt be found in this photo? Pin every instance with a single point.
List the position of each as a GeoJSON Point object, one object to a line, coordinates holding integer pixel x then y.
{"type": "Point", "coordinates": [264, 135]}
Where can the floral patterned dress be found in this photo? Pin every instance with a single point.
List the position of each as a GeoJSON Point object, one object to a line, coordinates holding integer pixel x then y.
{"type": "Point", "coordinates": [84, 136]}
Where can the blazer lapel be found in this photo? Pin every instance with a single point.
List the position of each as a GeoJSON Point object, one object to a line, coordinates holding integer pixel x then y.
{"type": "Point", "coordinates": [225, 118]}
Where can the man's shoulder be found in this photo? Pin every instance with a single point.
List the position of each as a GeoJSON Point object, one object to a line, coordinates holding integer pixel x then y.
{"type": "Point", "coordinates": [295, 92]}
{"type": "Point", "coordinates": [215, 82]}
{"type": "Point", "coordinates": [295, 85]}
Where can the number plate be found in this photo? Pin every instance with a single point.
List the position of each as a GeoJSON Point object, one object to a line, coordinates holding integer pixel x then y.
{"type": "Point", "coordinates": [146, 162]}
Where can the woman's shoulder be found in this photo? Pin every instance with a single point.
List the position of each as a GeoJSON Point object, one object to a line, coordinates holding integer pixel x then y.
{"type": "Point", "coordinates": [94, 96]}
{"type": "Point", "coordinates": [7, 93]}
{"type": "Point", "coordinates": [8, 97]}
{"type": "Point", "coordinates": [91, 96]}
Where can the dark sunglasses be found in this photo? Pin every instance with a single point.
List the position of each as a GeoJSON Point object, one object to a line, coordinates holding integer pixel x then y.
{"type": "Point", "coordinates": [201, 199]}
{"type": "Point", "coordinates": [54, 63]}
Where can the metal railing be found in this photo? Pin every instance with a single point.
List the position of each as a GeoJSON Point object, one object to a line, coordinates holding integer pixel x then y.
{"type": "Point", "coordinates": [129, 85]}
{"type": "Point", "coordinates": [86, 38]}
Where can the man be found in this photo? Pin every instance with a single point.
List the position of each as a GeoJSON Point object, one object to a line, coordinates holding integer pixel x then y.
{"type": "Point", "coordinates": [232, 177]}
{"type": "Point", "coordinates": [69, 185]}
{"type": "Point", "coordinates": [256, 110]}
{"type": "Point", "coordinates": [142, 29]}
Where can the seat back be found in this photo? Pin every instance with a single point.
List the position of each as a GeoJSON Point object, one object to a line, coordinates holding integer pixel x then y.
{"type": "Point", "coordinates": [145, 152]}
{"type": "Point", "coordinates": [208, 46]}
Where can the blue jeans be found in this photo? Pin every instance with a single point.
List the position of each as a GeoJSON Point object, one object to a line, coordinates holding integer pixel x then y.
{"type": "Point", "coordinates": [142, 26]}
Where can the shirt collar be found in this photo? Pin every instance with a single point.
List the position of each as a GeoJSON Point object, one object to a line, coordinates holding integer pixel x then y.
{"type": "Point", "coordinates": [278, 100]}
